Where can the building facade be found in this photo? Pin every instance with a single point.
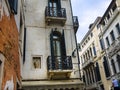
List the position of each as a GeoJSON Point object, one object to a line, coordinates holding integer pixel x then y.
{"type": "Point", "coordinates": [90, 57]}
{"type": "Point", "coordinates": [10, 76]}
{"type": "Point", "coordinates": [48, 40]}
{"type": "Point", "coordinates": [100, 52]}
{"type": "Point", "coordinates": [110, 32]}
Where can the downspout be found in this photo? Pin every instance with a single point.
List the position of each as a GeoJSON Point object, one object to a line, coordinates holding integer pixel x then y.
{"type": "Point", "coordinates": [76, 42]}
{"type": "Point", "coordinates": [24, 47]}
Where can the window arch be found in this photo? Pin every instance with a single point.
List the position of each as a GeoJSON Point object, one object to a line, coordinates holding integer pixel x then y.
{"type": "Point", "coordinates": [58, 50]}
{"type": "Point", "coordinates": [113, 66]}
{"type": "Point", "coordinates": [106, 67]}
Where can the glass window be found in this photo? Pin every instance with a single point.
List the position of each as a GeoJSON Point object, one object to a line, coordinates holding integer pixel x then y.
{"type": "Point", "coordinates": [112, 35]}
{"type": "Point", "coordinates": [98, 72]}
{"type": "Point", "coordinates": [107, 40]}
{"type": "Point", "coordinates": [118, 28]}
{"type": "Point", "coordinates": [113, 66]}
{"type": "Point", "coordinates": [118, 60]}
{"type": "Point", "coordinates": [102, 44]}
{"type": "Point", "coordinates": [94, 50]}
{"type": "Point", "coordinates": [106, 67]}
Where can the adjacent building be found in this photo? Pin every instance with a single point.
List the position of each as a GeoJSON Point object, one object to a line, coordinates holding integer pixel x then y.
{"type": "Point", "coordinates": [10, 77]}
{"type": "Point", "coordinates": [110, 32]}
{"type": "Point", "coordinates": [90, 57]}
{"type": "Point", "coordinates": [100, 50]}
{"type": "Point", "coordinates": [48, 46]}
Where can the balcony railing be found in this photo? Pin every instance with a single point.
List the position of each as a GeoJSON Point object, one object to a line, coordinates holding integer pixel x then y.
{"type": "Point", "coordinates": [59, 67]}
{"type": "Point", "coordinates": [59, 63]}
{"type": "Point", "coordinates": [55, 15]}
{"type": "Point", "coordinates": [75, 23]}
{"type": "Point", "coordinates": [87, 63]}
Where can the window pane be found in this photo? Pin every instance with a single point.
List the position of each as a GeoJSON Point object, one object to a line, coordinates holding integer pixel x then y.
{"type": "Point", "coordinates": [107, 40]}
{"type": "Point", "coordinates": [112, 35]}
{"type": "Point", "coordinates": [102, 44]}
{"type": "Point", "coordinates": [118, 28]}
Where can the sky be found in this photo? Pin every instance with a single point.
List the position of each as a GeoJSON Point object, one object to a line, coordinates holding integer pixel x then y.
{"type": "Point", "coordinates": [87, 11]}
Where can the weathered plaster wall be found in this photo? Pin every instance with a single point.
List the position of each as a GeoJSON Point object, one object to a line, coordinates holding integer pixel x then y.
{"type": "Point", "coordinates": [9, 48]}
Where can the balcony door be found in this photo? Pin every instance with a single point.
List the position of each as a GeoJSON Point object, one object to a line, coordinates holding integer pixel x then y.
{"type": "Point", "coordinates": [58, 51]}
{"type": "Point", "coordinates": [55, 7]}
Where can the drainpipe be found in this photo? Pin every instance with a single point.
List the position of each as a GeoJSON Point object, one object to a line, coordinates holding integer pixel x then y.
{"type": "Point", "coordinates": [76, 42]}
{"type": "Point", "coordinates": [24, 46]}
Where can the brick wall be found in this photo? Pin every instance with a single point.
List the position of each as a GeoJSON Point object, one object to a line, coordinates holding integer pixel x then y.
{"type": "Point", "coordinates": [9, 48]}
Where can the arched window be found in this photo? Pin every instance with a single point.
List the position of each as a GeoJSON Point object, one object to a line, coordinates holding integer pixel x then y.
{"type": "Point", "coordinates": [113, 66]}
{"type": "Point", "coordinates": [118, 60]}
{"type": "Point", "coordinates": [58, 50]}
{"type": "Point", "coordinates": [106, 67]}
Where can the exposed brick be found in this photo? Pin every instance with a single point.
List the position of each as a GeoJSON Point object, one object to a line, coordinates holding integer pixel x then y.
{"type": "Point", "coordinates": [9, 48]}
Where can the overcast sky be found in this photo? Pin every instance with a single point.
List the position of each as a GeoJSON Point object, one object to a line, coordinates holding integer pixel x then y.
{"type": "Point", "coordinates": [87, 11]}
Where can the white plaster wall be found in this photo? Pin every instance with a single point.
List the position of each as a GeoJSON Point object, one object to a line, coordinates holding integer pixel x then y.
{"type": "Point", "coordinates": [110, 28]}
{"type": "Point", "coordinates": [107, 33]}
{"type": "Point", "coordinates": [38, 38]}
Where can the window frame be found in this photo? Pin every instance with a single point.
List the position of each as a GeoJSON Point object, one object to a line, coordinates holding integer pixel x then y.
{"type": "Point", "coordinates": [106, 67]}
{"type": "Point", "coordinates": [107, 41]}
{"type": "Point", "coordinates": [113, 66]}
{"type": "Point", "coordinates": [118, 28]}
{"type": "Point", "coordinates": [112, 35]}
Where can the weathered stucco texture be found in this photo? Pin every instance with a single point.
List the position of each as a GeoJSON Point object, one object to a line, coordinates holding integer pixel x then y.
{"type": "Point", "coordinates": [9, 48]}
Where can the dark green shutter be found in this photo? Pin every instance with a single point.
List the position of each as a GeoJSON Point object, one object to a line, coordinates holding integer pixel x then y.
{"type": "Point", "coordinates": [13, 5]}
{"type": "Point", "coordinates": [63, 46]}
{"type": "Point", "coordinates": [106, 68]}
{"type": "Point", "coordinates": [63, 51]}
{"type": "Point", "coordinates": [52, 50]}
{"type": "Point", "coordinates": [59, 4]}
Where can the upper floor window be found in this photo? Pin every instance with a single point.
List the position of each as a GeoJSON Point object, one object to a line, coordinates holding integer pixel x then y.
{"type": "Point", "coordinates": [107, 40]}
{"type": "Point", "coordinates": [106, 67]}
{"type": "Point", "coordinates": [13, 5]}
{"type": "Point", "coordinates": [102, 44]}
{"type": "Point", "coordinates": [118, 60]}
{"type": "Point", "coordinates": [108, 16]}
{"type": "Point", "coordinates": [91, 34]}
{"type": "Point", "coordinates": [113, 66]}
{"type": "Point", "coordinates": [112, 35]}
{"type": "Point", "coordinates": [118, 28]}
{"type": "Point", "coordinates": [114, 7]}
{"type": "Point", "coordinates": [94, 50]}
{"type": "Point", "coordinates": [98, 72]}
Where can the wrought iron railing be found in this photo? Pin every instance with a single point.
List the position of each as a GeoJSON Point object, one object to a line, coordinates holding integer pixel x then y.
{"type": "Point", "coordinates": [54, 12]}
{"type": "Point", "coordinates": [59, 63]}
{"type": "Point", "coordinates": [75, 22]}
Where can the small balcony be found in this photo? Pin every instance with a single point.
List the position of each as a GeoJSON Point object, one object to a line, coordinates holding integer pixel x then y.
{"type": "Point", "coordinates": [53, 15]}
{"type": "Point", "coordinates": [87, 63]}
{"type": "Point", "coordinates": [59, 67]}
{"type": "Point", "coordinates": [75, 23]}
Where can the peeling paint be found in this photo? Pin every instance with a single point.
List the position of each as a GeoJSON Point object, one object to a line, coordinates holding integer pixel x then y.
{"type": "Point", "coordinates": [9, 84]}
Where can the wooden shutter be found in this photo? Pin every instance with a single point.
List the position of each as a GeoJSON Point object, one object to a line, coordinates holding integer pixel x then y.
{"type": "Point", "coordinates": [52, 50]}
{"type": "Point", "coordinates": [13, 5]}
{"type": "Point", "coordinates": [107, 72]}
{"type": "Point", "coordinates": [63, 50]}
{"type": "Point", "coordinates": [59, 4]}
